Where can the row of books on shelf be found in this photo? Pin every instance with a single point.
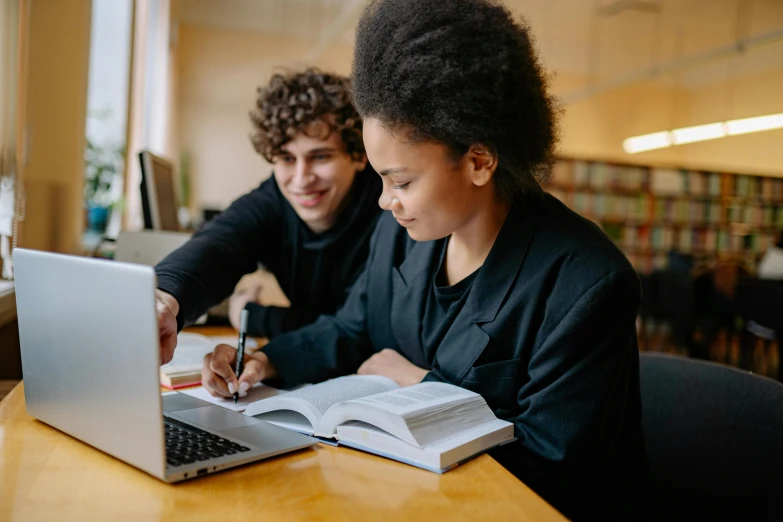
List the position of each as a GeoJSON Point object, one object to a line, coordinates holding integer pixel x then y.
{"type": "Point", "coordinates": [601, 176]}
{"type": "Point", "coordinates": [769, 189]}
{"type": "Point", "coordinates": [643, 208]}
{"type": "Point", "coordinates": [598, 175]}
{"type": "Point", "coordinates": [767, 216]}
{"type": "Point", "coordinates": [650, 240]}
{"type": "Point", "coordinates": [637, 208]}
{"type": "Point", "coordinates": [646, 264]}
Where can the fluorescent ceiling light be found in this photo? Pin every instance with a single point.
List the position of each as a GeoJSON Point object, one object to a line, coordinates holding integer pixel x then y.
{"type": "Point", "coordinates": [706, 132]}
{"type": "Point", "coordinates": [757, 124]}
{"type": "Point", "coordinates": [656, 140]}
{"type": "Point", "coordinates": [710, 131]}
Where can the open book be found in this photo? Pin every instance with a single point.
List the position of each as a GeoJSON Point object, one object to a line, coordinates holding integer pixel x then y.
{"type": "Point", "coordinates": [431, 425]}
{"type": "Point", "coordinates": [185, 368]}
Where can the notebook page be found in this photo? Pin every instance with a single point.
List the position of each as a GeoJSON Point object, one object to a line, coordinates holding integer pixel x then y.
{"type": "Point", "coordinates": [192, 348]}
{"type": "Point", "coordinates": [255, 393]}
{"type": "Point", "coordinates": [231, 340]}
{"type": "Point", "coordinates": [189, 354]}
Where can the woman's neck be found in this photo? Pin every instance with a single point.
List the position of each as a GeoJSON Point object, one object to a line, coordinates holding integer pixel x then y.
{"type": "Point", "coordinates": [469, 246]}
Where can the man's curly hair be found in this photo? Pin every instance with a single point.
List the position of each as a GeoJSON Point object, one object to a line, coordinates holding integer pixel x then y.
{"type": "Point", "coordinates": [293, 102]}
{"type": "Point", "coordinates": [458, 72]}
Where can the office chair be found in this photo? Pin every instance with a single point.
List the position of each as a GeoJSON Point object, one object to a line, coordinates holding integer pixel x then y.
{"type": "Point", "coordinates": [714, 437]}
{"type": "Point", "coordinates": [760, 303]}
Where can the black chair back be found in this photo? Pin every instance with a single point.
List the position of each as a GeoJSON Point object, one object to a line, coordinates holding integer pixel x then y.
{"type": "Point", "coordinates": [761, 301]}
{"type": "Point", "coordinates": [714, 437]}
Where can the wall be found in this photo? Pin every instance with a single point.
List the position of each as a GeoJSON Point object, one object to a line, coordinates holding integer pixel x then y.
{"type": "Point", "coordinates": [595, 128]}
{"type": "Point", "coordinates": [760, 153]}
{"type": "Point", "coordinates": [59, 34]}
{"type": "Point", "coordinates": [219, 69]}
{"type": "Point", "coordinates": [218, 72]}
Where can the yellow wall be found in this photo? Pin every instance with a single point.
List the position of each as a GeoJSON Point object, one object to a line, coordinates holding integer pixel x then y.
{"type": "Point", "coordinates": [596, 128]}
{"type": "Point", "coordinates": [59, 35]}
{"type": "Point", "coordinates": [218, 73]}
{"type": "Point", "coordinates": [760, 153]}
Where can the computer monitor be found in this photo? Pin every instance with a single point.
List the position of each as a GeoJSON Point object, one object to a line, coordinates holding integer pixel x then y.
{"type": "Point", "coordinates": [158, 199]}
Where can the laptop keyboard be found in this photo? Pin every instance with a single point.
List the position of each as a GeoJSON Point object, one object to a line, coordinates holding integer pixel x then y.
{"type": "Point", "coordinates": [187, 444]}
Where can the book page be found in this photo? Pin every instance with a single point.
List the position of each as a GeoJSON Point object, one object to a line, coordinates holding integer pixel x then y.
{"type": "Point", "coordinates": [324, 395]}
{"type": "Point", "coordinates": [421, 396]}
{"type": "Point", "coordinates": [418, 414]}
{"type": "Point", "coordinates": [313, 401]}
{"type": "Point", "coordinates": [289, 420]}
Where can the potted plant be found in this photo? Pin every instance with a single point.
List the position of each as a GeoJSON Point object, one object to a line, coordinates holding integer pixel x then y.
{"type": "Point", "coordinates": [103, 165]}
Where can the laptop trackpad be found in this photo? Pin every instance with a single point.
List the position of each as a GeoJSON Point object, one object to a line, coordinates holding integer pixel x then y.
{"type": "Point", "coordinates": [215, 418]}
{"type": "Point", "coordinates": [175, 401]}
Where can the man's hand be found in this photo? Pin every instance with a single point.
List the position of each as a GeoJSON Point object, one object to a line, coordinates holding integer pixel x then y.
{"type": "Point", "coordinates": [390, 363]}
{"type": "Point", "coordinates": [167, 309]}
{"type": "Point", "coordinates": [218, 377]}
{"type": "Point", "coordinates": [239, 300]}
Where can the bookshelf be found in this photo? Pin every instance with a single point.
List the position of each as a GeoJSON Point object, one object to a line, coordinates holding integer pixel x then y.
{"type": "Point", "coordinates": [649, 211]}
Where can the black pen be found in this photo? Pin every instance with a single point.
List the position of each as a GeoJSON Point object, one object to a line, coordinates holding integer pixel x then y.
{"type": "Point", "coordinates": [241, 349]}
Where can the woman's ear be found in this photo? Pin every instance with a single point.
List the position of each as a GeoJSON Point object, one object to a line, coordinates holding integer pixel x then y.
{"type": "Point", "coordinates": [484, 163]}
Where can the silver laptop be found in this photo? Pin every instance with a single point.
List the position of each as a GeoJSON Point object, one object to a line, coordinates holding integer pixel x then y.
{"type": "Point", "coordinates": [90, 356]}
{"type": "Point", "coordinates": [148, 247]}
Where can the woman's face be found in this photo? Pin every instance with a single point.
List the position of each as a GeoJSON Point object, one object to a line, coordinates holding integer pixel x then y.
{"type": "Point", "coordinates": [431, 194]}
{"type": "Point", "coordinates": [315, 176]}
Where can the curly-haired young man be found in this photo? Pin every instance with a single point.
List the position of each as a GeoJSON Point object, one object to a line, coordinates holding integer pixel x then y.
{"type": "Point", "coordinates": [309, 224]}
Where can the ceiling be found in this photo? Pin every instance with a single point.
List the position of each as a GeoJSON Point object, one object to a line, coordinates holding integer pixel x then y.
{"type": "Point", "coordinates": [604, 42]}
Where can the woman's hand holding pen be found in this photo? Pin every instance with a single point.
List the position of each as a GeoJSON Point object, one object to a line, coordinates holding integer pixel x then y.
{"type": "Point", "coordinates": [218, 377]}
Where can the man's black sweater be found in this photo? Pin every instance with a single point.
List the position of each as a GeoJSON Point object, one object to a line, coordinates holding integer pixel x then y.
{"type": "Point", "coordinates": [315, 271]}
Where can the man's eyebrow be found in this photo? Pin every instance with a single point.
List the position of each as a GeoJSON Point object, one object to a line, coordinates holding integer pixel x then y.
{"type": "Point", "coordinates": [392, 171]}
{"type": "Point", "coordinates": [320, 150]}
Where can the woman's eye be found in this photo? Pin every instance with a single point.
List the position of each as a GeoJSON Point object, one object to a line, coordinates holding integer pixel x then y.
{"type": "Point", "coordinates": [321, 157]}
{"type": "Point", "coordinates": [402, 186]}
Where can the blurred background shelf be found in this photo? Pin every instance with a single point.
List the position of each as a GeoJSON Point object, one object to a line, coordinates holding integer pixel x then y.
{"type": "Point", "coordinates": [651, 212]}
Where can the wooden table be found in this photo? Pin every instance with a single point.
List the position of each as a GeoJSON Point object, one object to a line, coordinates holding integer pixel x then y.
{"type": "Point", "coordinates": [47, 475]}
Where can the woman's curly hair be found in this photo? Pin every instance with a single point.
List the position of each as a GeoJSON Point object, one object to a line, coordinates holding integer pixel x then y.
{"type": "Point", "coordinates": [293, 102]}
{"type": "Point", "coordinates": [458, 72]}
